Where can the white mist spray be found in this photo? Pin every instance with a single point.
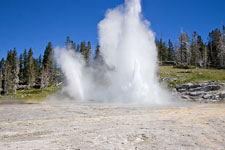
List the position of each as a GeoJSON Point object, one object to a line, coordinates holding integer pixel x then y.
{"type": "Point", "coordinates": [127, 46]}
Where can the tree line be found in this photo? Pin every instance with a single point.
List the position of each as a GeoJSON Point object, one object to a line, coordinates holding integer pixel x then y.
{"type": "Point", "coordinates": [194, 52]}
{"type": "Point", "coordinates": [26, 72]}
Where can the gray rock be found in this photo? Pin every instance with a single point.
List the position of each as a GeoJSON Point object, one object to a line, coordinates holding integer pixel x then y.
{"type": "Point", "coordinates": [201, 92]}
{"type": "Point", "coordinates": [184, 86]}
{"type": "Point", "coordinates": [196, 89]}
{"type": "Point", "coordinates": [181, 87]}
{"type": "Point", "coordinates": [222, 95]}
{"type": "Point", "coordinates": [196, 93]}
{"type": "Point", "coordinates": [211, 97]}
{"type": "Point", "coordinates": [211, 81]}
{"type": "Point", "coordinates": [166, 79]}
{"type": "Point", "coordinates": [207, 96]}
{"type": "Point", "coordinates": [185, 97]}
{"type": "Point", "coordinates": [211, 88]}
{"type": "Point", "coordinates": [195, 86]}
{"type": "Point", "coordinates": [175, 79]}
{"type": "Point", "coordinates": [216, 97]}
{"type": "Point", "coordinates": [181, 90]}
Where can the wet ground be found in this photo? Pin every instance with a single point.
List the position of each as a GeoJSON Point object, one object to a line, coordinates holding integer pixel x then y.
{"type": "Point", "coordinates": [62, 126]}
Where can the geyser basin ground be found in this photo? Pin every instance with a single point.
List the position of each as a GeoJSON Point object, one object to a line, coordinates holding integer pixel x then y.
{"type": "Point", "coordinates": [102, 126]}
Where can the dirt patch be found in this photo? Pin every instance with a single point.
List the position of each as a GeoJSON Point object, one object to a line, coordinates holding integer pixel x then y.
{"type": "Point", "coordinates": [107, 126]}
{"type": "Point", "coordinates": [11, 102]}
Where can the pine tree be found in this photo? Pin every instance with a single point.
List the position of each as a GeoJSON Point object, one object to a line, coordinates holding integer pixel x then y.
{"type": "Point", "coordinates": [88, 51]}
{"type": "Point", "coordinates": [205, 56]}
{"type": "Point", "coordinates": [195, 52]}
{"type": "Point", "coordinates": [97, 52]}
{"type": "Point", "coordinates": [47, 55]}
{"type": "Point", "coordinates": [30, 70]}
{"type": "Point", "coordinates": [70, 44]}
{"type": "Point", "coordinates": [47, 70]}
{"type": "Point", "coordinates": [44, 77]}
{"type": "Point", "coordinates": [163, 52]}
{"type": "Point", "coordinates": [159, 46]}
{"type": "Point", "coordinates": [98, 59]}
{"type": "Point", "coordinates": [15, 71]}
{"type": "Point", "coordinates": [83, 48]}
{"type": "Point", "coordinates": [1, 74]}
{"type": "Point", "coordinates": [221, 46]}
{"type": "Point", "coordinates": [203, 52]}
{"type": "Point", "coordinates": [171, 51]}
{"type": "Point", "coordinates": [11, 72]}
{"type": "Point", "coordinates": [78, 48]}
{"type": "Point", "coordinates": [25, 67]}
{"type": "Point", "coordinates": [36, 71]}
{"type": "Point", "coordinates": [183, 52]}
{"type": "Point", "coordinates": [39, 61]}
{"type": "Point", "coordinates": [213, 46]}
{"type": "Point", "coordinates": [21, 67]}
{"type": "Point", "coordinates": [74, 47]}
{"type": "Point", "coordinates": [8, 73]}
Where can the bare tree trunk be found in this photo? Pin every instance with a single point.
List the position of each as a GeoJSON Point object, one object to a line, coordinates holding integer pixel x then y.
{"type": "Point", "coordinates": [1, 77]}
{"type": "Point", "coordinates": [16, 76]}
{"type": "Point", "coordinates": [205, 58]}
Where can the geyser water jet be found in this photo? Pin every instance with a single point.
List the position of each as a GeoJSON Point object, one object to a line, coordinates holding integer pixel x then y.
{"type": "Point", "coordinates": [128, 47]}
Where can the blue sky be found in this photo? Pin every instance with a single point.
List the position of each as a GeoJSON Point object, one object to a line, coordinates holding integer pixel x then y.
{"type": "Point", "coordinates": [33, 23]}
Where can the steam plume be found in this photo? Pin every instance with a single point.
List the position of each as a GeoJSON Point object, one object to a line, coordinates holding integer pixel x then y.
{"type": "Point", "coordinates": [130, 55]}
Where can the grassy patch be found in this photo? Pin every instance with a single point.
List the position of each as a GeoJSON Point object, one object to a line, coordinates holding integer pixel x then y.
{"type": "Point", "coordinates": [34, 95]}
{"type": "Point", "coordinates": [179, 76]}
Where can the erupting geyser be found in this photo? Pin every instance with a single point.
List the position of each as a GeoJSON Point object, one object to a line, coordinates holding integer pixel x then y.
{"type": "Point", "coordinates": [129, 52]}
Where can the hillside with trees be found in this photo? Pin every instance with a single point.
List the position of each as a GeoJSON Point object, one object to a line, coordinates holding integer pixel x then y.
{"type": "Point", "coordinates": [194, 51]}
{"type": "Point", "coordinates": [24, 72]}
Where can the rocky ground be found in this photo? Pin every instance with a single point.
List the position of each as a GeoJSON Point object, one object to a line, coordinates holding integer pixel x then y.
{"type": "Point", "coordinates": [67, 125]}
{"type": "Point", "coordinates": [201, 92]}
